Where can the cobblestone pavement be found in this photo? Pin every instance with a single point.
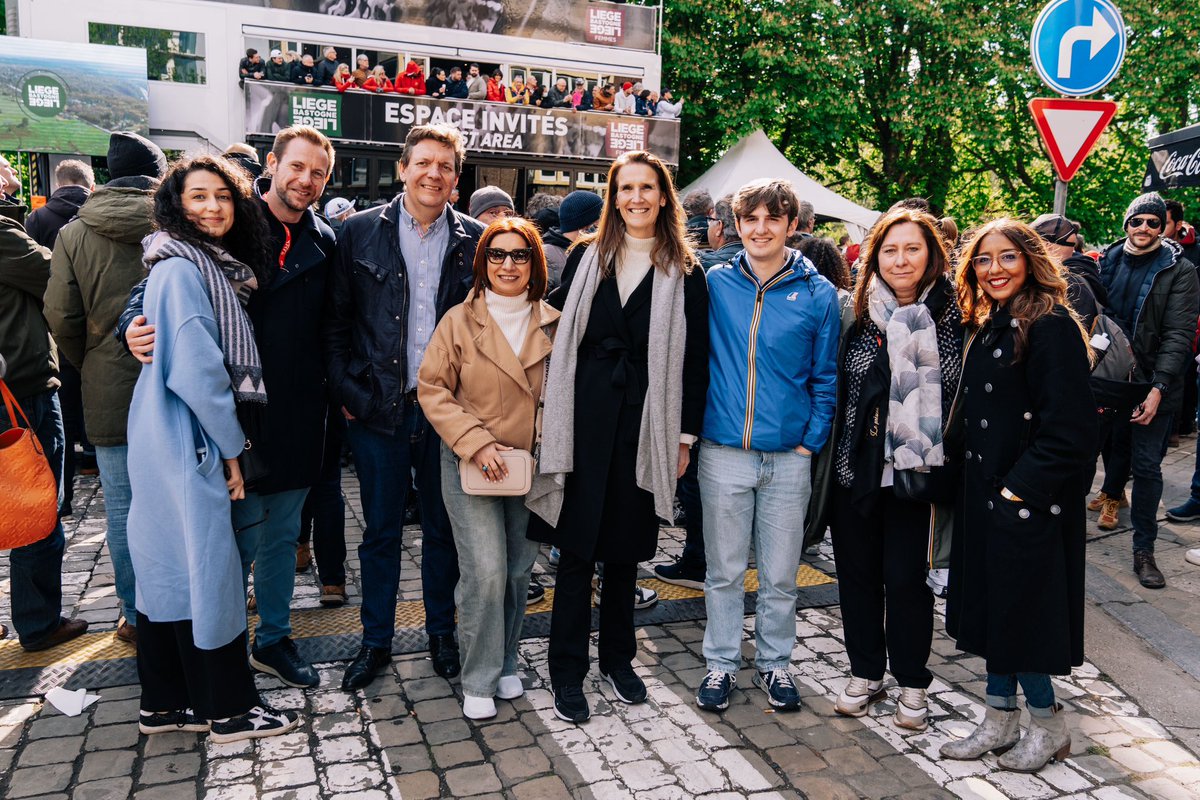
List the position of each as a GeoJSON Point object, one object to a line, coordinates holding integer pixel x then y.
{"type": "Point", "coordinates": [405, 737]}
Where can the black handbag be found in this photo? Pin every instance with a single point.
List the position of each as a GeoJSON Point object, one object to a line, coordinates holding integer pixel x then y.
{"type": "Point", "coordinates": [936, 485]}
{"type": "Point", "coordinates": [252, 460]}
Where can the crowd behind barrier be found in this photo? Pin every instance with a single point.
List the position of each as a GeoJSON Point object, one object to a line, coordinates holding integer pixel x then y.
{"type": "Point", "coordinates": [463, 82]}
{"type": "Point", "coordinates": [936, 402]}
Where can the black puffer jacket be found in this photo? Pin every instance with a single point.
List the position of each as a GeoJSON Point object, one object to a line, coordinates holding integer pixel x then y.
{"type": "Point", "coordinates": [367, 320]}
{"type": "Point", "coordinates": [44, 224]}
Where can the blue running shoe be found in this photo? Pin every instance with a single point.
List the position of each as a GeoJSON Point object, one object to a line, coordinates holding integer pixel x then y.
{"type": "Point", "coordinates": [780, 688]}
{"type": "Point", "coordinates": [715, 690]}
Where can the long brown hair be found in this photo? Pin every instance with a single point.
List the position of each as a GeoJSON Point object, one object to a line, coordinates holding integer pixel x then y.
{"type": "Point", "coordinates": [671, 247]}
{"type": "Point", "coordinates": [869, 258]}
{"type": "Point", "coordinates": [537, 261]}
{"type": "Point", "coordinates": [1044, 286]}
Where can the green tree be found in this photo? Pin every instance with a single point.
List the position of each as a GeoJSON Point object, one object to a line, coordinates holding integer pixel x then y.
{"type": "Point", "coordinates": [921, 97]}
{"type": "Point", "coordinates": [157, 43]}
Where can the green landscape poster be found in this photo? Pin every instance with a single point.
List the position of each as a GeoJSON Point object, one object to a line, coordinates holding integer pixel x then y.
{"type": "Point", "coordinates": [57, 97]}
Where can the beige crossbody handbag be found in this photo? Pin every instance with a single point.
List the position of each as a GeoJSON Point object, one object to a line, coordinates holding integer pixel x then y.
{"type": "Point", "coordinates": [520, 463]}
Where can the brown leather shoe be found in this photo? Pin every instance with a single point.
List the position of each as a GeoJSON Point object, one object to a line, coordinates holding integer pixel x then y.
{"type": "Point", "coordinates": [333, 596]}
{"type": "Point", "coordinates": [127, 633]}
{"type": "Point", "coordinates": [303, 557]}
{"type": "Point", "coordinates": [1108, 515]}
{"type": "Point", "coordinates": [1147, 571]}
{"type": "Point", "coordinates": [67, 630]}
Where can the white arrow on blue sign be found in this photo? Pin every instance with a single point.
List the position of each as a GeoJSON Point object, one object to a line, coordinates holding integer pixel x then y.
{"type": "Point", "coordinates": [1078, 45]}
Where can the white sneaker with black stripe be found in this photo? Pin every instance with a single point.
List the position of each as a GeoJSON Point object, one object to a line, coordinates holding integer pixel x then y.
{"type": "Point", "coordinates": [257, 723]}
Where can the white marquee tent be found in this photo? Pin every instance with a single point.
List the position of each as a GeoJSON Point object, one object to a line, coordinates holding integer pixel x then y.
{"type": "Point", "coordinates": [756, 157]}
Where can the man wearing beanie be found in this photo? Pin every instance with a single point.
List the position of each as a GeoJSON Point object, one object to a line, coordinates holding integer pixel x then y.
{"type": "Point", "coordinates": [97, 260]}
{"type": "Point", "coordinates": [1154, 296]}
{"type": "Point", "coordinates": [578, 211]}
{"type": "Point", "coordinates": [490, 204]}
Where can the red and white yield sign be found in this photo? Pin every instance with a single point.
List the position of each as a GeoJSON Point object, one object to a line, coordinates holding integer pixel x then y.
{"type": "Point", "coordinates": [1070, 129]}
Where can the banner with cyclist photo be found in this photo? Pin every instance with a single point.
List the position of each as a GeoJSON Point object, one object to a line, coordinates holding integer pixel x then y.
{"type": "Point", "coordinates": [577, 21]}
{"type": "Point", "coordinates": [488, 127]}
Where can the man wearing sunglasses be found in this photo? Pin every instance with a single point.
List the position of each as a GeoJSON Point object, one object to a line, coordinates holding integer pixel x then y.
{"type": "Point", "coordinates": [1154, 296]}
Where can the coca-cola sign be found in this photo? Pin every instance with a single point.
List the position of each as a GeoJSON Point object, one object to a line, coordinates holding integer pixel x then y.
{"type": "Point", "coordinates": [1174, 160]}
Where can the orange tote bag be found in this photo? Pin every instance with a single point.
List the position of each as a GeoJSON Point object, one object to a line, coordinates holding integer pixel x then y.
{"type": "Point", "coordinates": [28, 493]}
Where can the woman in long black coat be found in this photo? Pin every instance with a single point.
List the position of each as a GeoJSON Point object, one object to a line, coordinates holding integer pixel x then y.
{"type": "Point", "coordinates": [1017, 557]}
{"type": "Point", "coordinates": [625, 399]}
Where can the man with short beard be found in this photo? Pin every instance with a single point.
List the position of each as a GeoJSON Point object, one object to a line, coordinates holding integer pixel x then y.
{"type": "Point", "coordinates": [287, 315]}
{"type": "Point", "coordinates": [476, 84]}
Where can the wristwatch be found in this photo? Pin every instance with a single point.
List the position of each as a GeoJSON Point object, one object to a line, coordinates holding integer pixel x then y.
{"type": "Point", "coordinates": [1162, 387]}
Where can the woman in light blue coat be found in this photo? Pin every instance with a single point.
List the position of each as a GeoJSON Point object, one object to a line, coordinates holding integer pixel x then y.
{"type": "Point", "coordinates": [205, 258]}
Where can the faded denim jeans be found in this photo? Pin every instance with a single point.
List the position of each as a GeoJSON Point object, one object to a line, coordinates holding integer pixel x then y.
{"type": "Point", "coordinates": [494, 562]}
{"type": "Point", "coordinates": [759, 498]}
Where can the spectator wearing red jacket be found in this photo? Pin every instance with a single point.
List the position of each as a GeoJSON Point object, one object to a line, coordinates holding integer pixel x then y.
{"type": "Point", "coordinates": [412, 81]}
{"type": "Point", "coordinates": [342, 79]}
{"type": "Point", "coordinates": [378, 82]}
{"type": "Point", "coordinates": [496, 88]}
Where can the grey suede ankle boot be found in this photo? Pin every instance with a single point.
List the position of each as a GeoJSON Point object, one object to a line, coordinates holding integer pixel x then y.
{"type": "Point", "coordinates": [1046, 738]}
{"type": "Point", "coordinates": [998, 732]}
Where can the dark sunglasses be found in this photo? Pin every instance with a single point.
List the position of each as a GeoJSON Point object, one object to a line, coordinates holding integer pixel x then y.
{"type": "Point", "coordinates": [1153, 223]}
{"type": "Point", "coordinates": [519, 256]}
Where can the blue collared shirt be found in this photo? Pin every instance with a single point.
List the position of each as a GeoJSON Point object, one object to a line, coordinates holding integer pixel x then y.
{"type": "Point", "coordinates": [423, 254]}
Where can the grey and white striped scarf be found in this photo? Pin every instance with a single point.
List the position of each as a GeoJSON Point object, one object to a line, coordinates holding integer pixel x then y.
{"type": "Point", "coordinates": [229, 283]}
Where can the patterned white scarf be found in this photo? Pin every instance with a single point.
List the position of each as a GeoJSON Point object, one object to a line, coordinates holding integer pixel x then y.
{"type": "Point", "coordinates": [914, 422]}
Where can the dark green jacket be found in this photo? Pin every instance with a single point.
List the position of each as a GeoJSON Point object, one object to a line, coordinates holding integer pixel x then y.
{"type": "Point", "coordinates": [24, 337]}
{"type": "Point", "coordinates": [97, 260]}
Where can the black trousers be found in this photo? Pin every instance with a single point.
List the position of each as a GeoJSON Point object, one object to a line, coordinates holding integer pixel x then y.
{"type": "Point", "coordinates": [175, 674]}
{"type": "Point", "coordinates": [571, 619]}
{"type": "Point", "coordinates": [887, 609]}
{"type": "Point", "coordinates": [323, 518]}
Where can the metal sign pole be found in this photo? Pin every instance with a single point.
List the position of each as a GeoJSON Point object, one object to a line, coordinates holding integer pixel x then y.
{"type": "Point", "coordinates": [1060, 196]}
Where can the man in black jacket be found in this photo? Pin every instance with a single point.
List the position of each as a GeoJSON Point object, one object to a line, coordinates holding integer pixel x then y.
{"type": "Point", "coordinates": [1084, 287]}
{"type": "Point", "coordinates": [324, 72]}
{"type": "Point", "coordinates": [1154, 296]}
{"type": "Point", "coordinates": [400, 267]}
{"type": "Point", "coordinates": [287, 322]}
{"type": "Point", "coordinates": [75, 184]}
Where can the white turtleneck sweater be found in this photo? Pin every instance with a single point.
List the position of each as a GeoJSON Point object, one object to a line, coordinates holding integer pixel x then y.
{"type": "Point", "coordinates": [633, 262]}
{"type": "Point", "coordinates": [512, 314]}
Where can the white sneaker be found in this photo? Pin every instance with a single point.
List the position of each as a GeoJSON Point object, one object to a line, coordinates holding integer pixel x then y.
{"type": "Point", "coordinates": [478, 707]}
{"type": "Point", "coordinates": [1193, 556]}
{"type": "Point", "coordinates": [912, 709]}
{"type": "Point", "coordinates": [938, 581]}
{"type": "Point", "coordinates": [510, 687]}
{"type": "Point", "coordinates": [858, 694]}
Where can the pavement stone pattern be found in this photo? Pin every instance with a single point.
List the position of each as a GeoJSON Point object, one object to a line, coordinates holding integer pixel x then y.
{"type": "Point", "coordinates": [405, 737]}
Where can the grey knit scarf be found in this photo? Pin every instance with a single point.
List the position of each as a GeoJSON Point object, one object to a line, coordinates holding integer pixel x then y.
{"type": "Point", "coordinates": [658, 441]}
{"type": "Point", "coordinates": [229, 284]}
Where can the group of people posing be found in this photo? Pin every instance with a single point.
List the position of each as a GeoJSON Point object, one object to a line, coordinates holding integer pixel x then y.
{"type": "Point", "coordinates": [937, 413]}
{"type": "Point", "coordinates": [458, 83]}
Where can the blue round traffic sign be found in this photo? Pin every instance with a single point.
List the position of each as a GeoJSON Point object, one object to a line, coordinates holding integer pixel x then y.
{"type": "Point", "coordinates": [1078, 45]}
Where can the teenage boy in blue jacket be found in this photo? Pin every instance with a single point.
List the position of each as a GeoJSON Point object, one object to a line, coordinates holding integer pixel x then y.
{"type": "Point", "coordinates": [773, 323]}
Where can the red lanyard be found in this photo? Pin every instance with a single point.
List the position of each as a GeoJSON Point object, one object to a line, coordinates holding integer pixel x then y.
{"type": "Point", "coordinates": [287, 245]}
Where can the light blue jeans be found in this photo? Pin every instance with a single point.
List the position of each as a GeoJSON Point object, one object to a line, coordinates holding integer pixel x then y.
{"type": "Point", "coordinates": [752, 497]}
{"type": "Point", "coordinates": [267, 527]}
{"type": "Point", "coordinates": [113, 463]}
{"type": "Point", "coordinates": [494, 562]}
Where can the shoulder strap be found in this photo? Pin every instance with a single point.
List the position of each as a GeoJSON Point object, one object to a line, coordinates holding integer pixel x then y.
{"type": "Point", "coordinates": [10, 403]}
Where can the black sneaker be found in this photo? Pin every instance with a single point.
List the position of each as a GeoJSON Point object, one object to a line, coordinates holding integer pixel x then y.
{"type": "Point", "coordinates": [537, 593]}
{"type": "Point", "coordinates": [626, 684]}
{"type": "Point", "coordinates": [283, 660]}
{"type": "Point", "coordinates": [780, 689]}
{"type": "Point", "coordinates": [715, 690]}
{"type": "Point", "coordinates": [681, 574]}
{"type": "Point", "coordinates": [257, 723]}
{"type": "Point", "coordinates": [152, 722]}
{"type": "Point", "coordinates": [570, 704]}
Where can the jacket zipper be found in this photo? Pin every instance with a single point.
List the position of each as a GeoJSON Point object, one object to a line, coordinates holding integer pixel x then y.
{"type": "Point", "coordinates": [751, 371]}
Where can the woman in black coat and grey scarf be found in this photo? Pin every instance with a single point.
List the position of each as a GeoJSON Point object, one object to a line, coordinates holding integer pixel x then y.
{"type": "Point", "coordinates": [1016, 565]}
{"type": "Point", "coordinates": [898, 374]}
{"type": "Point", "coordinates": [624, 402]}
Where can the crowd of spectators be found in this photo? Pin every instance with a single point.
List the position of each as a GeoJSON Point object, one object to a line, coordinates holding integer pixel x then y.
{"type": "Point", "coordinates": [628, 98]}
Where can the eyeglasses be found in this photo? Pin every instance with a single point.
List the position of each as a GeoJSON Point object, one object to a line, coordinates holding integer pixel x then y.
{"type": "Point", "coordinates": [519, 256]}
{"type": "Point", "coordinates": [1008, 260]}
{"type": "Point", "coordinates": [1153, 223]}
